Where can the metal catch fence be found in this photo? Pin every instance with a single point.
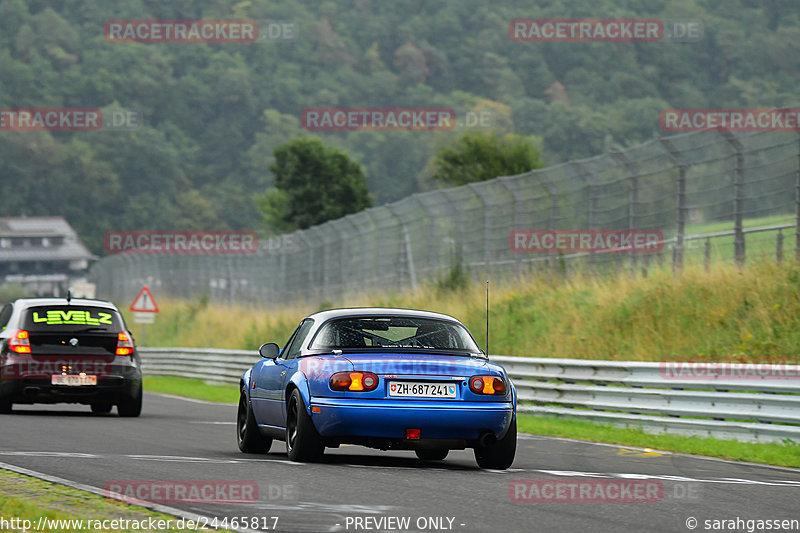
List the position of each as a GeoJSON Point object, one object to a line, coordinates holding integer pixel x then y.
{"type": "Point", "coordinates": [711, 194]}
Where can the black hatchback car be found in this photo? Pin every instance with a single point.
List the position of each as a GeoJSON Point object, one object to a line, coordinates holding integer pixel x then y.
{"type": "Point", "coordinates": [61, 350]}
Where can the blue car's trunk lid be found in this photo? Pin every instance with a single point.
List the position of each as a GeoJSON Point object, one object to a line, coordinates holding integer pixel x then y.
{"type": "Point", "coordinates": [397, 364]}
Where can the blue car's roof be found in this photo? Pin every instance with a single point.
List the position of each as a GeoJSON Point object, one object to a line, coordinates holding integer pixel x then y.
{"type": "Point", "coordinates": [323, 316]}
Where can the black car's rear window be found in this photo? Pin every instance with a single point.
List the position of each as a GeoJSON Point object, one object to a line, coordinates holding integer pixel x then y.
{"type": "Point", "coordinates": [72, 318]}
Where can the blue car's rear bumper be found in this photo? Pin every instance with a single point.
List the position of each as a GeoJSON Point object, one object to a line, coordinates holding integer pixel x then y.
{"type": "Point", "coordinates": [389, 419]}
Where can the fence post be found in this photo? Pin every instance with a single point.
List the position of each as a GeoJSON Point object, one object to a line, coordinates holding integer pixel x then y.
{"type": "Point", "coordinates": [738, 186]}
{"type": "Point", "coordinates": [458, 236]}
{"type": "Point", "coordinates": [504, 181]}
{"type": "Point", "coordinates": [414, 198]}
{"type": "Point", "coordinates": [707, 255]}
{"type": "Point", "coordinates": [552, 191]}
{"type": "Point", "coordinates": [373, 266]}
{"type": "Point", "coordinates": [432, 222]}
{"type": "Point", "coordinates": [677, 158]}
{"type": "Point", "coordinates": [302, 235]}
{"type": "Point", "coordinates": [406, 248]}
{"type": "Point", "coordinates": [586, 177]}
{"type": "Point", "coordinates": [487, 255]}
{"type": "Point", "coordinates": [337, 226]}
{"type": "Point", "coordinates": [779, 246]}
{"type": "Point", "coordinates": [325, 263]}
{"type": "Point", "coordinates": [360, 232]}
{"type": "Point", "coordinates": [319, 252]}
{"type": "Point", "coordinates": [797, 206]}
{"type": "Point", "coordinates": [633, 200]}
{"type": "Point", "coordinates": [457, 218]}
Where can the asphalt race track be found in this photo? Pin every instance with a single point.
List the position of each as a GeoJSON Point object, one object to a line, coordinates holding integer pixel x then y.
{"type": "Point", "coordinates": [358, 489]}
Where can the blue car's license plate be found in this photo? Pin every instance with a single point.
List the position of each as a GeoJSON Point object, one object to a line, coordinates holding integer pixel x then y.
{"type": "Point", "coordinates": [416, 389]}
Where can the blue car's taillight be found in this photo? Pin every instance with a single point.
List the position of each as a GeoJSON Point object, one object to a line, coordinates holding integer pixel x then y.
{"type": "Point", "coordinates": [354, 381]}
{"type": "Point", "coordinates": [491, 385]}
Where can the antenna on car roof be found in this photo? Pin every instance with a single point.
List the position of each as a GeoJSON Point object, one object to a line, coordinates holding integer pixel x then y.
{"type": "Point", "coordinates": [69, 295]}
{"type": "Point", "coordinates": [487, 318]}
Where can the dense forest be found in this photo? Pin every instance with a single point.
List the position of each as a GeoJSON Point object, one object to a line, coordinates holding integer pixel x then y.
{"type": "Point", "coordinates": [214, 113]}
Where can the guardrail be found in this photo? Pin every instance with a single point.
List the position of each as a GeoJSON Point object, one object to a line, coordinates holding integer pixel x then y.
{"type": "Point", "coordinates": [758, 403]}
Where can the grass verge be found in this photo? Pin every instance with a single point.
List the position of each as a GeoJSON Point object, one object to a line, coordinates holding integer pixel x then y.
{"type": "Point", "coordinates": [24, 498]}
{"type": "Point", "coordinates": [192, 388]}
{"type": "Point", "coordinates": [768, 453]}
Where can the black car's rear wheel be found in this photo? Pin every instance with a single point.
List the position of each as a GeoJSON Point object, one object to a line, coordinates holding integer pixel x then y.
{"type": "Point", "coordinates": [247, 435]}
{"type": "Point", "coordinates": [5, 406]}
{"type": "Point", "coordinates": [131, 406]}
{"type": "Point", "coordinates": [432, 455]}
{"type": "Point", "coordinates": [303, 443]}
{"type": "Point", "coordinates": [499, 455]}
{"type": "Point", "coordinates": [101, 407]}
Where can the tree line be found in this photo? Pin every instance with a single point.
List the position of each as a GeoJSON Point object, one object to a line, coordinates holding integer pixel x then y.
{"type": "Point", "coordinates": [216, 118]}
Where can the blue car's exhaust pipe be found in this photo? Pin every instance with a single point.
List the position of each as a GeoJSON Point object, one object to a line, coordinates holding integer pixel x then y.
{"type": "Point", "coordinates": [487, 439]}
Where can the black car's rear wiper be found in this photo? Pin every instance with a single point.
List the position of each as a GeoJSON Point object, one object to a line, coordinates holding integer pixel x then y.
{"type": "Point", "coordinates": [90, 328]}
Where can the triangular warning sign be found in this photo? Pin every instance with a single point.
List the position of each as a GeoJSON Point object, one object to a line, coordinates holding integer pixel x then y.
{"type": "Point", "coordinates": [144, 302]}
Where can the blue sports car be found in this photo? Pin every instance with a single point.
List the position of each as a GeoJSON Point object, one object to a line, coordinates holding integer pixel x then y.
{"type": "Point", "coordinates": [383, 378]}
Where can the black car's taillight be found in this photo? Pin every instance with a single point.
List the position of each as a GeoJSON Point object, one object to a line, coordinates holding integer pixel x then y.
{"type": "Point", "coordinates": [124, 344]}
{"type": "Point", "coordinates": [20, 342]}
{"type": "Point", "coordinates": [354, 381]}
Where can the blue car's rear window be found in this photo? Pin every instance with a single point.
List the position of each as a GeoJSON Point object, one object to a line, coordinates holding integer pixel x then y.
{"type": "Point", "coordinates": [393, 333]}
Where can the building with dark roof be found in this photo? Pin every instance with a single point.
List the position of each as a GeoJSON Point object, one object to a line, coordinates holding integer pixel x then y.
{"type": "Point", "coordinates": [43, 254]}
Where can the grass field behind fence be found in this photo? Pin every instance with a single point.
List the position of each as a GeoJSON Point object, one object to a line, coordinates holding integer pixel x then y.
{"type": "Point", "coordinates": [727, 314]}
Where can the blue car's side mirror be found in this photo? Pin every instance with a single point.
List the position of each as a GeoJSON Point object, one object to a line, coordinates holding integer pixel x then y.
{"type": "Point", "coordinates": [269, 350]}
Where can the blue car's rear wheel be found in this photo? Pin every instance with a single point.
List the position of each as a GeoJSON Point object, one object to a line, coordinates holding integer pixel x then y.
{"type": "Point", "coordinates": [500, 455]}
{"type": "Point", "coordinates": [247, 435]}
{"type": "Point", "coordinates": [303, 443]}
{"type": "Point", "coordinates": [432, 455]}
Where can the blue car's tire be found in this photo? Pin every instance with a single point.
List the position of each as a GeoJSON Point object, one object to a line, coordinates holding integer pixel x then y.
{"type": "Point", "coordinates": [432, 455]}
{"type": "Point", "coordinates": [303, 443]}
{"type": "Point", "coordinates": [249, 439]}
{"type": "Point", "coordinates": [500, 455]}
